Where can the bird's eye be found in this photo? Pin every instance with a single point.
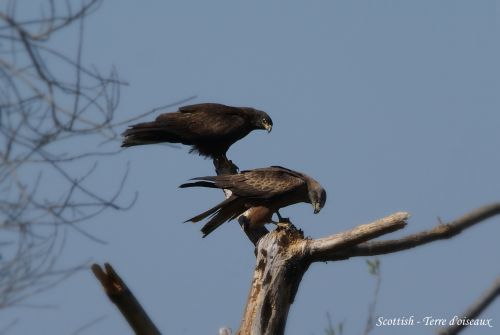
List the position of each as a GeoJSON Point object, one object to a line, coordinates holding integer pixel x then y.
{"type": "Point", "coordinates": [264, 121]}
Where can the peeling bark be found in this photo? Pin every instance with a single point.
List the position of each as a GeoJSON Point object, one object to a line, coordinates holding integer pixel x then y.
{"type": "Point", "coordinates": [284, 255]}
{"type": "Point", "coordinates": [281, 263]}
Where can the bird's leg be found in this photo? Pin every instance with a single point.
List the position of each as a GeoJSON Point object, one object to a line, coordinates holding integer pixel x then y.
{"type": "Point", "coordinates": [279, 215]}
{"type": "Point", "coordinates": [232, 167]}
{"type": "Point", "coordinates": [279, 219]}
{"type": "Point", "coordinates": [224, 165]}
{"type": "Point", "coordinates": [283, 222]}
{"type": "Point", "coordinates": [244, 222]}
{"type": "Point", "coordinates": [282, 219]}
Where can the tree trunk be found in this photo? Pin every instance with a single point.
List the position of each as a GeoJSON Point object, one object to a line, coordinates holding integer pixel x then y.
{"type": "Point", "coordinates": [281, 263]}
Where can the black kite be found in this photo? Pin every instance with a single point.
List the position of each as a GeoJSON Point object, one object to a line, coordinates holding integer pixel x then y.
{"type": "Point", "coordinates": [272, 188]}
{"type": "Point", "coordinates": [208, 127]}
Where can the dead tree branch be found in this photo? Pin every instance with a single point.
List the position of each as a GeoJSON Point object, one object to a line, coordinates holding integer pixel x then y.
{"type": "Point", "coordinates": [119, 293]}
{"type": "Point", "coordinates": [321, 249]}
{"type": "Point", "coordinates": [475, 309]}
{"type": "Point", "coordinates": [281, 263]}
{"type": "Point", "coordinates": [439, 232]}
{"type": "Point", "coordinates": [284, 255]}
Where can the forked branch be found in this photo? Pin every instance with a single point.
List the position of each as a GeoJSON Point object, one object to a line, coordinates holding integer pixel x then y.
{"type": "Point", "coordinates": [283, 256]}
{"type": "Point", "coordinates": [440, 232]}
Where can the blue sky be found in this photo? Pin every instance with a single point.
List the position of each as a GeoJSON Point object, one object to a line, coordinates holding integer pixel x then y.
{"type": "Point", "coordinates": [391, 105]}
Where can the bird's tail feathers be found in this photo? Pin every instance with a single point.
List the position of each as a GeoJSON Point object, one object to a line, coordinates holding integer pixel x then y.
{"type": "Point", "coordinates": [226, 213]}
{"type": "Point", "coordinates": [211, 212]}
{"type": "Point", "coordinates": [148, 133]}
{"type": "Point", "coordinates": [207, 181]}
{"type": "Point", "coordinates": [223, 212]}
{"type": "Point", "coordinates": [199, 184]}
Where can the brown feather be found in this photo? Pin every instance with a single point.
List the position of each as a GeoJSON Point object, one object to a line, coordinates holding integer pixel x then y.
{"type": "Point", "coordinates": [227, 212]}
{"type": "Point", "coordinates": [212, 211]}
{"type": "Point", "coordinates": [270, 188]}
{"type": "Point", "coordinates": [210, 129]}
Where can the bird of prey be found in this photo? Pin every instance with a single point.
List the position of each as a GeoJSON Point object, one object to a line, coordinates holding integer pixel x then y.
{"type": "Point", "coordinates": [209, 128]}
{"type": "Point", "coordinates": [266, 189]}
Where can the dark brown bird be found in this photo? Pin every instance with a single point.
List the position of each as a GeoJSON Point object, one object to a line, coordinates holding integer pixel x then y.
{"type": "Point", "coordinates": [273, 188]}
{"type": "Point", "coordinates": [209, 128]}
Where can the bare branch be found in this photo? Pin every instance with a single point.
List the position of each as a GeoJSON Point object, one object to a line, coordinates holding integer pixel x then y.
{"type": "Point", "coordinates": [475, 309]}
{"type": "Point", "coordinates": [440, 232]}
{"type": "Point", "coordinates": [119, 293]}
{"type": "Point", "coordinates": [284, 255]}
{"type": "Point", "coordinates": [154, 110]}
{"type": "Point", "coordinates": [323, 249]}
{"type": "Point", "coordinates": [374, 269]}
{"type": "Point", "coordinates": [88, 325]}
{"type": "Point", "coordinates": [48, 96]}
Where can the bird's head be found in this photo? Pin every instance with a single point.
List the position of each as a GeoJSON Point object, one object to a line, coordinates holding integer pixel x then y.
{"type": "Point", "coordinates": [317, 196]}
{"type": "Point", "coordinates": [261, 120]}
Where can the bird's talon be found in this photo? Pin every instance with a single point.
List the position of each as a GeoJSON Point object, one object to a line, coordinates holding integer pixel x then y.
{"type": "Point", "coordinates": [284, 225]}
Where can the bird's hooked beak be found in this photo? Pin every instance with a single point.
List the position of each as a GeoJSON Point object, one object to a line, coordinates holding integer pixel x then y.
{"type": "Point", "coordinates": [268, 127]}
{"type": "Point", "coordinates": [316, 207]}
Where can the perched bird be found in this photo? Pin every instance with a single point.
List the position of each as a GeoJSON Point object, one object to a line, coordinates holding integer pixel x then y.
{"type": "Point", "coordinates": [209, 128]}
{"type": "Point", "coordinates": [266, 189]}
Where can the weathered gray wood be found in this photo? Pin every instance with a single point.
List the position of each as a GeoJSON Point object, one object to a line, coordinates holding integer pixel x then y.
{"type": "Point", "coordinates": [283, 256]}
{"type": "Point", "coordinates": [442, 231]}
{"type": "Point", "coordinates": [225, 331]}
{"type": "Point", "coordinates": [321, 249]}
{"type": "Point", "coordinates": [281, 263]}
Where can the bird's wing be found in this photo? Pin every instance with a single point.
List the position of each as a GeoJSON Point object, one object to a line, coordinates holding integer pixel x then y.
{"type": "Point", "coordinates": [202, 121]}
{"type": "Point", "coordinates": [206, 107]}
{"type": "Point", "coordinates": [260, 183]}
